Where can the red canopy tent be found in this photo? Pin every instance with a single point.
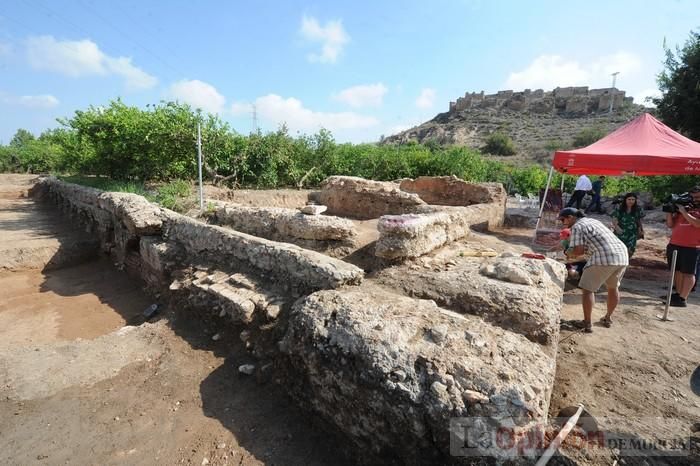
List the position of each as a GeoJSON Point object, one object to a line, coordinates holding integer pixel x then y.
{"type": "Point", "coordinates": [644, 146]}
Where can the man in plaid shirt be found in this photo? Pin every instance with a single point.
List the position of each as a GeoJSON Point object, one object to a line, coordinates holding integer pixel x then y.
{"type": "Point", "coordinates": [607, 263]}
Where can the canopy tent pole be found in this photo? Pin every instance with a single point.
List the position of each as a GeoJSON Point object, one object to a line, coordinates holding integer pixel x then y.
{"type": "Point", "coordinates": [562, 184]}
{"type": "Point", "coordinates": [544, 198]}
{"type": "Point", "coordinates": [665, 316]}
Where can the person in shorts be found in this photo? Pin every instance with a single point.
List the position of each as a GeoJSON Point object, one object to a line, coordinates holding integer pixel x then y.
{"type": "Point", "coordinates": [685, 238]}
{"type": "Point", "coordinates": [606, 265]}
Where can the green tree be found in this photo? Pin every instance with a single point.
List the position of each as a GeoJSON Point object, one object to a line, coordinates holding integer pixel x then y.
{"type": "Point", "coordinates": [21, 138]}
{"type": "Point", "coordinates": [679, 82]}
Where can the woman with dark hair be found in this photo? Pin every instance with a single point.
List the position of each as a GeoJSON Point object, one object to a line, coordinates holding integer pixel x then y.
{"type": "Point", "coordinates": [627, 222]}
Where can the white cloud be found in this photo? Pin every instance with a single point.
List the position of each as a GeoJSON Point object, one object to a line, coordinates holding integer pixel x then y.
{"type": "Point", "coordinates": [84, 58]}
{"type": "Point", "coordinates": [42, 101]}
{"type": "Point", "coordinates": [290, 111]}
{"type": "Point", "coordinates": [332, 37]}
{"type": "Point", "coordinates": [367, 95]}
{"type": "Point", "coordinates": [199, 95]}
{"type": "Point", "coordinates": [426, 99]}
{"type": "Point", "coordinates": [550, 71]}
{"type": "Point", "coordinates": [241, 108]}
{"type": "Point", "coordinates": [134, 77]}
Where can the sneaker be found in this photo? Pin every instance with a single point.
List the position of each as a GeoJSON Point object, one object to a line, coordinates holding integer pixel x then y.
{"type": "Point", "coordinates": [674, 295]}
{"type": "Point", "coordinates": [677, 301]}
{"type": "Point", "coordinates": [583, 325]}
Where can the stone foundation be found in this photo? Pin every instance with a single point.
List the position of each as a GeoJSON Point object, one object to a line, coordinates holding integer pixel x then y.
{"type": "Point", "coordinates": [354, 197]}
{"type": "Point", "coordinates": [392, 373]}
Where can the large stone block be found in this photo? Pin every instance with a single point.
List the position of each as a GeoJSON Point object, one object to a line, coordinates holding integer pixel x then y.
{"type": "Point", "coordinates": [391, 372]}
{"type": "Point", "coordinates": [287, 263]}
{"type": "Point", "coordinates": [139, 216]}
{"type": "Point", "coordinates": [518, 294]}
{"type": "Point", "coordinates": [412, 235]}
{"type": "Point", "coordinates": [279, 224]}
{"type": "Point", "coordinates": [452, 191]}
{"type": "Point", "coordinates": [355, 197]}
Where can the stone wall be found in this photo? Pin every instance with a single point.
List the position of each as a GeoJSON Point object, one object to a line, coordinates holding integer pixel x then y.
{"type": "Point", "coordinates": [323, 232]}
{"type": "Point", "coordinates": [389, 372]}
{"type": "Point", "coordinates": [282, 262]}
{"type": "Point", "coordinates": [395, 373]}
{"type": "Point", "coordinates": [354, 197]}
{"type": "Point", "coordinates": [562, 99]}
{"type": "Point", "coordinates": [122, 220]}
{"type": "Point", "coordinates": [452, 191]}
{"type": "Point", "coordinates": [416, 216]}
{"type": "Point", "coordinates": [517, 294]}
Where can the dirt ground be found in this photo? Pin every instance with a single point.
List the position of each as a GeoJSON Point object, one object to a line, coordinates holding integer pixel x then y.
{"type": "Point", "coordinates": [79, 385]}
{"type": "Point", "coordinates": [633, 378]}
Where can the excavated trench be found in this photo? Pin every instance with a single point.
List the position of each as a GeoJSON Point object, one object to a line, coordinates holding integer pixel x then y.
{"type": "Point", "coordinates": [382, 371]}
{"type": "Point", "coordinates": [85, 380]}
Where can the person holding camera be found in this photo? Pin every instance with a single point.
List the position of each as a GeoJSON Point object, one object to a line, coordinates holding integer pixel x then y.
{"type": "Point", "coordinates": [627, 222]}
{"type": "Point", "coordinates": [684, 222]}
{"type": "Point", "coordinates": [607, 264]}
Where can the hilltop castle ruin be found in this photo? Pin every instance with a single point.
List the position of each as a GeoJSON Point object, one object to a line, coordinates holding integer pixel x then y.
{"type": "Point", "coordinates": [572, 100]}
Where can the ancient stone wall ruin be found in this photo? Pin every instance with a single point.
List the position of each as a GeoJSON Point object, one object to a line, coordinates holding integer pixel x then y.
{"type": "Point", "coordinates": [318, 232]}
{"type": "Point", "coordinates": [388, 364]}
{"type": "Point", "coordinates": [561, 100]}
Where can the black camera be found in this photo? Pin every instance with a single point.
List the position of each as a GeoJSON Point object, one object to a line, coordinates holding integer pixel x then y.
{"type": "Point", "coordinates": [674, 200]}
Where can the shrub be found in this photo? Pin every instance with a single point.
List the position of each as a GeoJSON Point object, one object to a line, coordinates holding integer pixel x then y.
{"type": "Point", "coordinates": [499, 144]}
{"type": "Point", "coordinates": [588, 136]}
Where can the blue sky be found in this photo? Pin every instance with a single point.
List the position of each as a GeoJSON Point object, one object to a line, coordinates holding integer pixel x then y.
{"type": "Point", "coordinates": [359, 68]}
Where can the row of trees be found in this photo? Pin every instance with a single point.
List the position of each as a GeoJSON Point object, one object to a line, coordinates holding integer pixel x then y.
{"type": "Point", "coordinates": [158, 144]}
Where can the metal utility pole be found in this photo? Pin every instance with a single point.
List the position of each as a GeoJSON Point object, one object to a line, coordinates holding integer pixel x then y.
{"type": "Point", "coordinates": [612, 95]}
{"type": "Point", "coordinates": [199, 166]}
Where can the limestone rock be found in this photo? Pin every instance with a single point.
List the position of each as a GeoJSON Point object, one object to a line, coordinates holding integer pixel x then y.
{"type": "Point", "coordinates": [452, 191]}
{"type": "Point", "coordinates": [313, 209]}
{"type": "Point", "coordinates": [518, 294]}
{"type": "Point", "coordinates": [385, 335]}
{"type": "Point", "coordinates": [290, 265]}
{"type": "Point", "coordinates": [280, 224]}
{"type": "Point", "coordinates": [350, 196]}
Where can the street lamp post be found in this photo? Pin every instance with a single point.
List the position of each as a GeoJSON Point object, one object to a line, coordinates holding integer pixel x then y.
{"type": "Point", "coordinates": [612, 91]}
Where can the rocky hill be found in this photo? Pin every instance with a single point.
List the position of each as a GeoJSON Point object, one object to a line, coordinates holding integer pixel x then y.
{"type": "Point", "coordinates": [538, 122]}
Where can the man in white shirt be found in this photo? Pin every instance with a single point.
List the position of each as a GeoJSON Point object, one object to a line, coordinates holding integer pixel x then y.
{"type": "Point", "coordinates": [583, 185]}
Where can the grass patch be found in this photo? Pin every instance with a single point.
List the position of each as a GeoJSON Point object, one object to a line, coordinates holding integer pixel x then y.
{"type": "Point", "coordinates": [108, 184]}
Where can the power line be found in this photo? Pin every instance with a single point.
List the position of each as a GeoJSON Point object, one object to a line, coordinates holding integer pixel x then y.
{"type": "Point", "coordinates": [129, 38]}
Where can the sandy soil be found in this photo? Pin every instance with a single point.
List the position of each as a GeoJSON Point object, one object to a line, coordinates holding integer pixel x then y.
{"type": "Point", "coordinates": [633, 378]}
{"type": "Point", "coordinates": [77, 386]}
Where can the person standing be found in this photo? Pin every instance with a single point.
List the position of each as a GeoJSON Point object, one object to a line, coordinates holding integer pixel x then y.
{"type": "Point", "coordinates": [583, 185]}
{"type": "Point", "coordinates": [685, 238]}
{"type": "Point", "coordinates": [627, 222]}
{"type": "Point", "coordinates": [596, 187]}
{"type": "Point", "coordinates": [607, 264]}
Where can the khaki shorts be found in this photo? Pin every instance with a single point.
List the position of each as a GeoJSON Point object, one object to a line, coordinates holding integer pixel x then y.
{"type": "Point", "coordinates": [595, 275]}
